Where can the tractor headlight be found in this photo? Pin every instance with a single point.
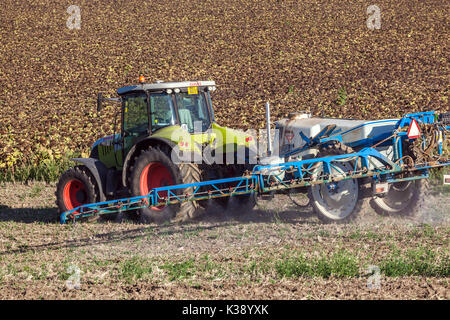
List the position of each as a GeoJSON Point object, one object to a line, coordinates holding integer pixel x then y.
{"type": "Point", "coordinates": [169, 91]}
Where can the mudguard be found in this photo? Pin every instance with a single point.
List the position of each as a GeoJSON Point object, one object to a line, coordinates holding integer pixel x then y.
{"type": "Point", "coordinates": [145, 143]}
{"type": "Point", "coordinates": [99, 172]}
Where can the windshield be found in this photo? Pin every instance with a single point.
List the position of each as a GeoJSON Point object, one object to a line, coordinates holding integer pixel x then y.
{"type": "Point", "coordinates": [193, 112]}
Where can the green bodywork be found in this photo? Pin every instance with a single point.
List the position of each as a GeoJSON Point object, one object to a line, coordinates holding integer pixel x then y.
{"type": "Point", "coordinates": [221, 139]}
{"type": "Point", "coordinates": [112, 150]}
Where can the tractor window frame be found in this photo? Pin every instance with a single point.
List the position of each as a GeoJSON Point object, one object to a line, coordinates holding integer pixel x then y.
{"type": "Point", "coordinates": [210, 107]}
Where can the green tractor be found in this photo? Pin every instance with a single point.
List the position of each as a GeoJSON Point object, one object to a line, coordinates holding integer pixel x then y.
{"type": "Point", "coordinates": [168, 136]}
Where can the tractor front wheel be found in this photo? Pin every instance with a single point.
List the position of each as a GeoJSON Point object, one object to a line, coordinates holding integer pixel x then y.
{"type": "Point", "coordinates": [76, 187]}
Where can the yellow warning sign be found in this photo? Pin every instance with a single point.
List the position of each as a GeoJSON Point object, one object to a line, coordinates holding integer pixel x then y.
{"type": "Point", "coordinates": [192, 90]}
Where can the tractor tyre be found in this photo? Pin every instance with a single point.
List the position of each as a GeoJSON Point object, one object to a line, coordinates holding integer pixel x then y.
{"type": "Point", "coordinates": [76, 187]}
{"type": "Point", "coordinates": [402, 199]}
{"type": "Point", "coordinates": [244, 202]}
{"type": "Point", "coordinates": [240, 203]}
{"type": "Point", "coordinates": [190, 173]}
{"type": "Point", "coordinates": [341, 203]}
{"type": "Point", "coordinates": [152, 169]}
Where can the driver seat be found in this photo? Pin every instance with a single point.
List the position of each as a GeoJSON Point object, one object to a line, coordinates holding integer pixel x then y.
{"type": "Point", "coordinates": [186, 118]}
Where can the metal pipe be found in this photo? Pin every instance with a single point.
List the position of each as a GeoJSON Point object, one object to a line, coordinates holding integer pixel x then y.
{"type": "Point", "coordinates": [269, 138]}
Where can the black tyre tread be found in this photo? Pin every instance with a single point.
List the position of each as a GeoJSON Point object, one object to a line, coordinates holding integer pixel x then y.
{"type": "Point", "coordinates": [337, 149]}
{"type": "Point", "coordinates": [190, 173]}
{"type": "Point", "coordinates": [244, 203]}
{"type": "Point", "coordinates": [82, 173]}
{"type": "Point", "coordinates": [417, 202]}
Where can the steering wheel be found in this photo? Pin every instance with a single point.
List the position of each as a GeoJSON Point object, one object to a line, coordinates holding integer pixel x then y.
{"type": "Point", "coordinates": [160, 120]}
{"type": "Point", "coordinates": [137, 130]}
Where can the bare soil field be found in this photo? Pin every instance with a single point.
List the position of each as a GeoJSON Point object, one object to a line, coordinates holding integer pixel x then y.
{"type": "Point", "coordinates": [276, 251]}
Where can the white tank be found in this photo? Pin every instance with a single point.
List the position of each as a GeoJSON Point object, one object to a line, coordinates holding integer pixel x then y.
{"type": "Point", "coordinates": [353, 131]}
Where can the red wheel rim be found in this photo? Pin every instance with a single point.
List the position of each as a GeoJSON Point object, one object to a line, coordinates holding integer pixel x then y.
{"type": "Point", "coordinates": [155, 175]}
{"type": "Point", "coordinates": [74, 194]}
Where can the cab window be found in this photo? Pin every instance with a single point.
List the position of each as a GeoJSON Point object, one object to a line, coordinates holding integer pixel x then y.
{"type": "Point", "coordinates": [135, 119]}
{"type": "Point", "coordinates": [193, 111]}
{"type": "Point", "coordinates": [162, 111]}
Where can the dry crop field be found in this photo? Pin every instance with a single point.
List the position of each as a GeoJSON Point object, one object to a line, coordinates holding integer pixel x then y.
{"type": "Point", "coordinates": [300, 55]}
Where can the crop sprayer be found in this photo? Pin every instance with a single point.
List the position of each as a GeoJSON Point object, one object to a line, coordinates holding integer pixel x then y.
{"type": "Point", "coordinates": [336, 162]}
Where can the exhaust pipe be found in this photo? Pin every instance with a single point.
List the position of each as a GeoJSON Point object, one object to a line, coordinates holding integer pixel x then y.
{"type": "Point", "coordinates": [269, 138]}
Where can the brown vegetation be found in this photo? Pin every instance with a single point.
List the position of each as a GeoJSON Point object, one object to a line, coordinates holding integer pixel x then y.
{"type": "Point", "coordinates": [313, 55]}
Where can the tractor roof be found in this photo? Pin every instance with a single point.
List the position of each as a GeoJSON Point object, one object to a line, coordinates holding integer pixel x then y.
{"type": "Point", "coordinates": [159, 85]}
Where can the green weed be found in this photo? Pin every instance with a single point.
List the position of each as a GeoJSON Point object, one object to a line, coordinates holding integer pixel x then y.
{"type": "Point", "coordinates": [134, 269]}
{"type": "Point", "coordinates": [342, 97]}
{"type": "Point", "coordinates": [179, 270]}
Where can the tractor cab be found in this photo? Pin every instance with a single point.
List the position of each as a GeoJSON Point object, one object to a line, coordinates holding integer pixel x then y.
{"type": "Point", "coordinates": [149, 107]}
{"type": "Point", "coordinates": [158, 109]}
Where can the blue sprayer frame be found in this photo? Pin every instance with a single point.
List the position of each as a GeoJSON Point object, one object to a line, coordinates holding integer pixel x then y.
{"type": "Point", "coordinates": [267, 178]}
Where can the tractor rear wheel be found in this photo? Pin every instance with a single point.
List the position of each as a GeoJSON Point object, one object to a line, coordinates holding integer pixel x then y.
{"type": "Point", "coordinates": [152, 169]}
{"type": "Point", "coordinates": [235, 204]}
{"type": "Point", "coordinates": [244, 202]}
{"type": "Point", "coordinates": [75, 188]}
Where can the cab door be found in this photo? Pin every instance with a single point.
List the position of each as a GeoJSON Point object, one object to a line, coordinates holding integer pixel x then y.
{"type": "Point", "coordinates": [135, 123]}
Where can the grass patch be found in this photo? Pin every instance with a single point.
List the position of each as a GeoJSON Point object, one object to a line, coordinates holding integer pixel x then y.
{"type": "Point", "coordinates": [294, 267]}
{"type": "Point", "coordinates": [48, 170]}
{"type": "Point", "coordinates": [416, 262]}
{"type": "Point", "coordinates": [340, 265]}
{"type": "Point", "coordinates": [36, 191]}
{"type": "Point", "coordinates": [179, 270]}
{"type": "Point", "coordinates": [37, 274]}
{"type": "Point", "coordinates": [134, 269]}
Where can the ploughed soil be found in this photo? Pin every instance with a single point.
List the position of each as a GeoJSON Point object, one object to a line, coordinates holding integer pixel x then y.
{"type": "Point", "coordinates": [318, 56]}
{"type": "Point", "coordinates": [226, 254]}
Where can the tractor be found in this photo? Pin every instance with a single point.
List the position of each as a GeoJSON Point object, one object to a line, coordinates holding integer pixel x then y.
{"type": "Point", "coordinates": [168, 136]}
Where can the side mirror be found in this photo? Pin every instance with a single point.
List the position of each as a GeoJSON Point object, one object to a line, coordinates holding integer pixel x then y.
{"type": "Point", "coordinates": [99, 101]}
